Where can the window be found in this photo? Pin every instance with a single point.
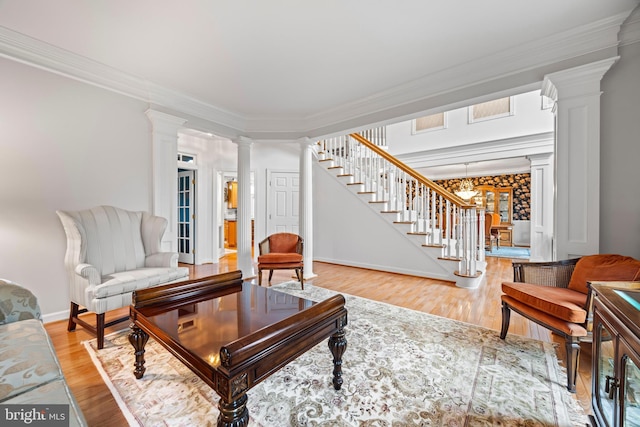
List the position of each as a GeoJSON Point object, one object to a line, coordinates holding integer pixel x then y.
{"type": "Point", "coordinates": [428, 123]}
{"type": "Point", "coordinates": [497, 108]}
{"type": "Point", "coordinates": [187, 158]}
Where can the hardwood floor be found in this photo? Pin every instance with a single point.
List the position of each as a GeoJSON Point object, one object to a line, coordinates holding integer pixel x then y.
{"type": "Point", "coordinates": [477, 306]}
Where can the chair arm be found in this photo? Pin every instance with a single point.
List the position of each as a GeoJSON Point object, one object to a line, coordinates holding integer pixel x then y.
{"type": "Point", "coordinates": [554, 274]}
{"type": "Point", "coordinates": [263, 246]}
{"type": "Point", "coordinates": [161, 259]}
{"type": "Point", "coordinates": [90, 273]}
{"type": "Point", "coordinates": [17, 303]}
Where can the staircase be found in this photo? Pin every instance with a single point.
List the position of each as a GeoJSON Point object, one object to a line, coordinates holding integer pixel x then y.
{"type": "Point", "coordinates": [441, 225]}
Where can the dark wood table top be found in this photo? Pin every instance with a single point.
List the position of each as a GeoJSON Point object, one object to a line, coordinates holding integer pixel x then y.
{"type": "Point", "coordinates": [234, 334]}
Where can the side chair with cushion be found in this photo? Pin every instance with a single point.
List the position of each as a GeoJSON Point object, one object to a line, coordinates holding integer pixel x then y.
{"type": "Point", "coordinates": [556, 295]}
{"type": "Point", "coordinates": [281, 251]}
{"type": "Point", "coordinates": [491, 235]}
{"type": "Point", "coordinates": [112, 252]}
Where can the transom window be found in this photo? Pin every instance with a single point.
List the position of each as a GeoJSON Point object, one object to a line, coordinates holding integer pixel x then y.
{"type": "Point", "coordinates": [428, 123]}
{"type": "Point", "coordinates": [497, 108]}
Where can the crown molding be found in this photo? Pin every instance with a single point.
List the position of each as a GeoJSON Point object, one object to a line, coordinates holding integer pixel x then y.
{"type": "Point", "coordinates": [30, 51]}
{"type": "Point", "coordinates": [521, 146]}
{"type": "Point", "coordinates": [596, 36]}
{"type": "Point", "coordinates": [385, 105]}
{"type": "Point", "coordinates": [630, 32]}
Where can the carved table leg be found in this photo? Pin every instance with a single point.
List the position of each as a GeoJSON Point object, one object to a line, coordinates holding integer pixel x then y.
{"type": "Point", "coordinates": [337, 345]}
{"type": "Point", "coordinates": [234, 413]}
{"type": "Point", "coordinates": [138, 339]}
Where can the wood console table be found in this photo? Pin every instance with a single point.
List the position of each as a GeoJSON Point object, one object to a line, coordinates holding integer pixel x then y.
{"type": "Point", "coordinates": [615, 390]}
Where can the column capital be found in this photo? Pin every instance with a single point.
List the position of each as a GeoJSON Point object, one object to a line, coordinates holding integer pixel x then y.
{"type": "Point", "coordinates": [577, 80]}
{"type": "Point", "coordinates": [542, 158]}
{"type": "Point", "coordinates": [243, 141]}
{"type": "Point", "coordinates": [163, 122]}
{"type": "Point", "coordinates": [305, 141]}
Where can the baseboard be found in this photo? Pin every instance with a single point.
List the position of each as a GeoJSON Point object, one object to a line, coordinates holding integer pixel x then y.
{"type": "Point", "coordinates": [384, 268]}
{"type": "Point", "coordinates": [54, 317]}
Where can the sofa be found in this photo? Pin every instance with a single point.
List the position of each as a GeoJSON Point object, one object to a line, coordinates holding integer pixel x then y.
{"type": "Point", "coordinates": [112, 252]}
{"type": "Point", "coordinates": [30, 373]}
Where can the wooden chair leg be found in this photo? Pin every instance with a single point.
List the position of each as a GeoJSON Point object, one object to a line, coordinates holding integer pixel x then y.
{"type": "Point", "coordinates": [299, 276]}
{"type": "Point", "coordinates": [506, 318]}
{"type": "Point", "coordinates": [73, 313]}
{"type": "Point", "coordinates": [259, 277]}
{"type": "Point", "coordinates": [572, 347]}
{"type": "Point", "coordinates": [100, 330]}
{"type": "Point", "coordinates": [270, 276]}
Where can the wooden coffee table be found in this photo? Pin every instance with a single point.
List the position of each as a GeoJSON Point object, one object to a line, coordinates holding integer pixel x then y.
{"type": "Point", "coordinates": [233, 334]}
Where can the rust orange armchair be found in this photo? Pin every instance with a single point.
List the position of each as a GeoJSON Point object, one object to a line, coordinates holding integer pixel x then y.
{"type": "Point", "coordinates": [556, 295]}
{"type": "Point", "coordinates": [281, 251]}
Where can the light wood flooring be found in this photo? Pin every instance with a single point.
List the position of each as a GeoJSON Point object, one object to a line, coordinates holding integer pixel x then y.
{"type": "Point", "coordinates": [477, 306]}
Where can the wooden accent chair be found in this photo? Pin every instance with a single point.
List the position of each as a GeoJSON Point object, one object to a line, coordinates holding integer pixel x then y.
{"type": "Point", "coordinates": [112, 252]}
{"type": "Point", "coordinates": [491, 235]}
{"type": "Point", "coordinates": [281, 251]}
{"type": "Point", "coordinates": [557, 295]}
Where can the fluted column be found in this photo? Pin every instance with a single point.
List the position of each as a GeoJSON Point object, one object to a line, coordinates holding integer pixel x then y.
{"type": "Point", "coordinates": [245, 263]}
{"type": "Point", "coordinates": [306, 205]}
{"type": "Point", "coordinates": [576, 93]}
{"type": "Point", "coordinates": [164, 143]}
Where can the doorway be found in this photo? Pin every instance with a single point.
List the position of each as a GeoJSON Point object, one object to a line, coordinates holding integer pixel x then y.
{"type": "Point", "coordinates": [186, 215]}
{"type": "Point", "coordinates": [283, 207]}
{"type": "Point", "coordinates": [227, 212]}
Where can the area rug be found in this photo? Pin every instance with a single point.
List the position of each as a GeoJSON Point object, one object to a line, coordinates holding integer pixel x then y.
{"type": "Point", "coordinates": [401, 368]}
{"type": "Point", "coordinates": [509, 252]}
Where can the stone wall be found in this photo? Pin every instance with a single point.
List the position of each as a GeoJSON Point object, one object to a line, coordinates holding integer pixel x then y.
{"type": "Point", "coordinates": [521, 184]}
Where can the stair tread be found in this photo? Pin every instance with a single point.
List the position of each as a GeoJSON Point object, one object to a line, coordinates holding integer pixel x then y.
{"type": "Point", "coordinates": [393, 212]}
{"type": "Point", "coordinates": [355, 183]}
{"type": "Point", "coordinates": [419, 233]}
{"type": "Point", "coordinates": [433, 246]}
{"type": "Point", "coordinates": [404, 222]}
{"type": "Point", "coordinates": [325, 160]}
{"type": "Point", "coordinates": [335, 167]}
{"type": "Point", "coordinates": [345, 174]}
{"type": "Point", "coordinates": [366, 192]}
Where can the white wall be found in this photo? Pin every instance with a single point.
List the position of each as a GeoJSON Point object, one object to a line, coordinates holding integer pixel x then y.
{"type": "Point", "coordinates": [529, 118]}
{"type": "Point", "coordinates": [270, 157]}
{"type": "Point", "coordinates": [620, 156]}
{"type": "Point", "coordinates": [63, 145]}
{"type": "Point", "coordinates": [347, 231]}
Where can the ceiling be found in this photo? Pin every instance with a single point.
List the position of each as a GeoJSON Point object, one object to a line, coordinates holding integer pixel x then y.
{"type": "Point", "coordinates": [285, 65]}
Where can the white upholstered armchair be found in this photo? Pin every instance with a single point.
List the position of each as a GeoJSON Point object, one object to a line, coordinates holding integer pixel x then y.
{"type": "Point", "coordinates": [112, 252]}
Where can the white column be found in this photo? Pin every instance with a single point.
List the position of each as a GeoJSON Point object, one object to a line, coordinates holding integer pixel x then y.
{"type": "Point", "coordinates": [245, 263]}
{"type": "Point", "coordinates": [541, 207]}
{"type": "Point", "coordinates": [576, 93]}
{"type": "Point", "coordinates": [306, 205]}
{"type": "Point", "coordinates": [164, 143]}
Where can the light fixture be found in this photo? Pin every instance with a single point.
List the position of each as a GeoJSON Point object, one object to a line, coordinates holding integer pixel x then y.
{"type": "Point", "coordinates": [466, 191]}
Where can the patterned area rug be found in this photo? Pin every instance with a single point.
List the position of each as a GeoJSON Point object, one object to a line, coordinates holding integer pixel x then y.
{"type": "Point", "coordinates": [509, 252]}
{"type": "Point", "coordinates": [401, 368]}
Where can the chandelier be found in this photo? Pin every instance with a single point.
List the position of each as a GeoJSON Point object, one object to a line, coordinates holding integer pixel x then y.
{"type": "Point", "coordinates": [466, 191]}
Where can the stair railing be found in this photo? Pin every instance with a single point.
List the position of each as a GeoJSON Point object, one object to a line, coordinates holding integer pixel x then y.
{"type": "Point", "coordinates": [445, 219]}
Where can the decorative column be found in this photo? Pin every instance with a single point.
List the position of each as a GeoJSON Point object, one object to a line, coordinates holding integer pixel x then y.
{"type": "Point", "coordinates": [245, 263]}
{"type": "Point", "coordinates": [541, 207]}
{"type": "Point", "coordinates": [306, 205]}
{"type": "Point", "coordinates": [576, 93]}
{"type": "Point", "coordinates": [164, 143]}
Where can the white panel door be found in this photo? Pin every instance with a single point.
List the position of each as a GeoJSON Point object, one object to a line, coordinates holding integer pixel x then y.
{"type": "Point", "coordinates": [283, 215]}
{"type": "Point", "coordinates": [186, 213]}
